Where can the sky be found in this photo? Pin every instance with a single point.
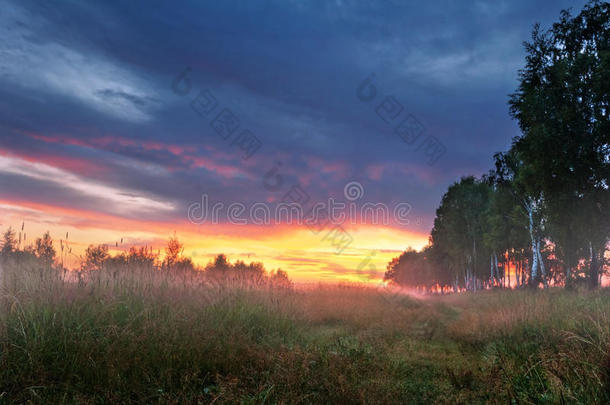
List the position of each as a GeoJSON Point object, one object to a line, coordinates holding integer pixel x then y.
{"type": "Point", "coordinates": [124, 122]}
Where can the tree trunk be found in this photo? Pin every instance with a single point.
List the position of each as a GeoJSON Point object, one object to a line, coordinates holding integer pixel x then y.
{"type": "Point", "coordinates": [474, 264]}
{"type": "Point", "coordinates": [542, 268]}
{"type": "Point", "coordinates": [519, 268]}
{"type": "Point", "coordinates": [593, 267]}
{"type": "Point", "coordinates": [534, 240]}
{"type": "Point", "coordinates": [496, 266]}
{"type": "Point", "coordinates": [505, 269]}
{"type": "Point", "coordinates": [534, 268]}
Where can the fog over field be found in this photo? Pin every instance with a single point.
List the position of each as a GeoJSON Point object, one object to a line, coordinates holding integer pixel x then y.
{"type": "Point", "coordinates": [289, 202]}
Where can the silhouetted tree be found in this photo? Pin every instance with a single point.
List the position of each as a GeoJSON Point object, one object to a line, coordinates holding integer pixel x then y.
{"type": "Point", "coordinates": [279, 278]}
{"type": "Point", "coordinates": [95, 257]}
{"type": "Point", "coordinates": [562, 107]}
{"type": "Point", "coordinates": [219, 265]}
{"type": "Point", "coordinates": [173, 251]}
{"type": "Point", "coordinates": [457, 235]}
{"type": "Point", "coordinates": [9, 242]}
{"type": "Point", "coordinates": [44, 250]}
{"type": "Point", "coordinates": [142, 257]}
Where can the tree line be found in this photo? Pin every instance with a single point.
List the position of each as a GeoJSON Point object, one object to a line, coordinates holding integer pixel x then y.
{"type": "Point", "coordinates": [541, 215]}
{"type": "Point", "coordinates": [97, 258]}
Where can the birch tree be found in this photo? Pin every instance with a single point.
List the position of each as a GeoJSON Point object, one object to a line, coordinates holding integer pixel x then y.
{"type": "Point", "coordinates": [562, 107]}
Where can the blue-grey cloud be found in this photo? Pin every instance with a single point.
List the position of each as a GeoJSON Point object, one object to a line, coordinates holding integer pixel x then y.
{"type": "Point", "coordinates": [102, 73]}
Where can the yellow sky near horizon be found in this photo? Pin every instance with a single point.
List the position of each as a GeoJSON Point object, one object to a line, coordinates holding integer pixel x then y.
{"type": "Point", "coordinates": [305, 255]}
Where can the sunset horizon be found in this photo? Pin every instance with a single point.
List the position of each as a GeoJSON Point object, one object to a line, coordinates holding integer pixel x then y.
{"type": "Point", "coordinates": [303, 202]}
{"type": "Point", "coordinates": [122, 144]}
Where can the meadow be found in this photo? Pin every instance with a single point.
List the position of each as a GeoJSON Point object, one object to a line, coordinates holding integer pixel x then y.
{"type": "Point", "coordinates": [147, 336]}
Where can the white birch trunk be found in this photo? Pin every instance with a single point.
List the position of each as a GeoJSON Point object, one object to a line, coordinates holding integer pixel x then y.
{"type": "Point", "coordinates": [542, 268]}
{"type": "Point", "coordinates": [530, 214]}
{"type": "Point", "coordinates": [496, 267]}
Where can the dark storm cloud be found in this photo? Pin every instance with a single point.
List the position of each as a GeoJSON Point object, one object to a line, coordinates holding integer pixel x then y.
{"type": "Point", "coordinates": [288, 69]}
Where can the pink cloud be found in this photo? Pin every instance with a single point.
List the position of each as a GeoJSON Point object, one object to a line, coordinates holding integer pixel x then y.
{"type": "Point", "coordinates": [337, 170]}
{"type": "Point", "coordinates": [422, 172]}
{"type": "Point", "coordinates": [375, 172]}
{"type": "Point", "coordinates": [68, 163]}
{"type": "Point", "coordinates": [222, 169]}
{"type": "Point", "coordinates": [108, 141]}
{"type": "Point", "coordinates": [187, 153]}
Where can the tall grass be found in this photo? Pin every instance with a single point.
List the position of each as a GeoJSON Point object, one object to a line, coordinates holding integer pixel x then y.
{"type": "Point", "coordinates": [144, 336]}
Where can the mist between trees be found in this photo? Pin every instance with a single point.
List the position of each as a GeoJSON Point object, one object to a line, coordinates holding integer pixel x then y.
{"type": "Point", "coordinates": [542, 215]}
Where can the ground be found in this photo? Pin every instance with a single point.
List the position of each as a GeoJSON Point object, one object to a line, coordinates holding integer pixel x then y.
{"type": "Point", "coordinates": [149, 338]}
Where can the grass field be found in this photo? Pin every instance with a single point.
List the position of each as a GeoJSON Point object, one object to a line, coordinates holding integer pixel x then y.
{"type": "Point", "coordinates": [148, 337]}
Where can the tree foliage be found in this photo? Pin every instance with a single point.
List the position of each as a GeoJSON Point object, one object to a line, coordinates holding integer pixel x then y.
{"type": "Point", "coordinates": [545, 207]}
{"type": "Point", "coordinates": [44, 249]}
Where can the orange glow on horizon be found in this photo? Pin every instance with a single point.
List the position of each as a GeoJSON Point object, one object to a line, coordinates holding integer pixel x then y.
{"type": "Point", "coordinates": [306, 256]}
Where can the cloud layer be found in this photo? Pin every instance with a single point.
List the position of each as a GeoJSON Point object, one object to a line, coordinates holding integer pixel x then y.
{"type": "Point", "coordinates": [89, 121]}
